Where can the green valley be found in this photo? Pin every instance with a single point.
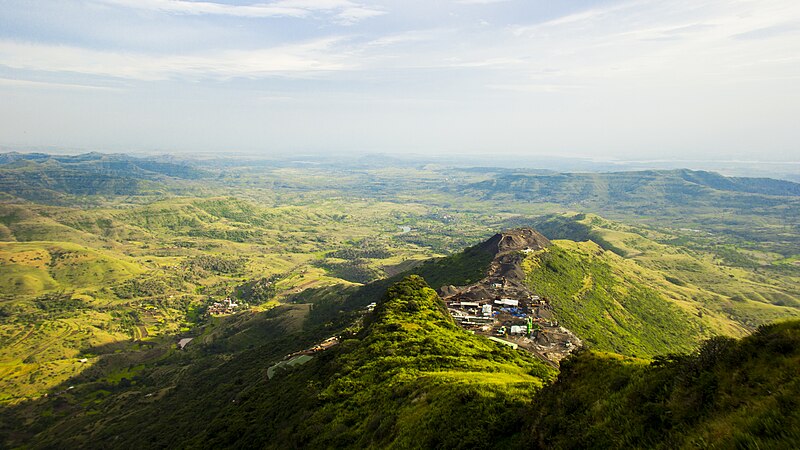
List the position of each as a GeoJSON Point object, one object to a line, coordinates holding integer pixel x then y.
{"type": "Point", "coordinates": [251, 264]}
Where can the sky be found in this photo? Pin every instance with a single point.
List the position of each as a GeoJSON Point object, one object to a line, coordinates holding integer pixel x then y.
{"type": "Point", "coordinates": [629, 79]}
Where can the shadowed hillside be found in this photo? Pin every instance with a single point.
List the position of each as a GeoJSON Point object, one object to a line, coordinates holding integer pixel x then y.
{"type": "Point", "coordinates": [410, 377]}
{"type": "Point", "coordinates": [728, 394]}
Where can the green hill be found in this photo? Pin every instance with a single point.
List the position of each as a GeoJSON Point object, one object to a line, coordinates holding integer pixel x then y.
{"type": "Point", "coordinates": [728, 394]}
{"type": "Point", "coordinates": [602, 298]}
{"type": "Point", "coordinates": [738, 288]}
{"type": "Point", "coordinates": [107, 260]}
{"type": "Point", "coordinates": [657, 187]}
{"type": "Point", "coordinates": [55, 179]}
{"type": "Point", "coordinates": [29, 223]}
{"type": "Point", "coordinates": [36, 267]}
{"type": "Point", "coordinates": [758, 212]}
{"type": "Point", "coordinates": [409, 377]}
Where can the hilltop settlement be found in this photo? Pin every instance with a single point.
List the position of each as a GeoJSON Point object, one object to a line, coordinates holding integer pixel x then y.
{"type": "Point", "coordinates": [502, 306]}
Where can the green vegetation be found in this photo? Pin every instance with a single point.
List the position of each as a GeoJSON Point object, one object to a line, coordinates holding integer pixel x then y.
{"type": "Point", "coordinates": [608, 302]}
{"type": "Point", "coordinates": [107, 260]}
{"type": "Point", "coordinates": [141, 287]}
{"type": "Point", "coordinates": [65, 179]}
{"type": "Point", "coordinates": [356, 271]}
{"type": "Point", "coordinates": [362, 250]}
{"type": "Point", "coordinates": [216, 264]}
{"type": "Point", "coordinates": [258, 291]}
{"type": "Point", "coordinates": [750, 213]}
{"type": "Point", "coordinates": [32, 268]}
{"type": "Point", "coordinates": [410, 377]}
{"type": "Point", "coordinates": [699, 277]}
{"type": "Point", "coordinates": [460, 269]}
{"type": "Point", "coordinates": [727, 394]}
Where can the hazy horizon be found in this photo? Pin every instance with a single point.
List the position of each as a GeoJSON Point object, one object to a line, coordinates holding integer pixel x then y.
{"type": "Point", "coordinates": [785, 170]}
{"type": "Point", "coordinates": [632, 81]}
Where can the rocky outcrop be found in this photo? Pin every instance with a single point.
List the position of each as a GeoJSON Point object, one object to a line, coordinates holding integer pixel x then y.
{"type": "Point", "coordinates": [519, 239]}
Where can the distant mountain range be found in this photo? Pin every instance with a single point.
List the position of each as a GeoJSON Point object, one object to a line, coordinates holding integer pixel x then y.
{"type": "Point", "coordinates": [28, 175]}
{"type": "Point", "coordinates": [48, 178]}
{"type": "Point", "coordinates": [674, 187]}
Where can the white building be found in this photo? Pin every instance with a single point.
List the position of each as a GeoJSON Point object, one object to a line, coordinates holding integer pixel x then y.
{"type": "Point", "coordinates": [507, 302]}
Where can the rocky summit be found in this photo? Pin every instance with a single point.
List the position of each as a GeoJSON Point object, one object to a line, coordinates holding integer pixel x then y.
{"type": "Point", "coordinates": [502, 306]}
{"type": "Point", "coordinates": [519, 239]}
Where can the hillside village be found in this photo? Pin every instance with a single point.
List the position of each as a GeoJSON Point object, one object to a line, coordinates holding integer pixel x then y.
{"type": "Point", "coordinates": [227, 306]}
{"type": "Point", "coordinates": [500, 306]}
{"type": "Point", "coordinates": [503, 308]}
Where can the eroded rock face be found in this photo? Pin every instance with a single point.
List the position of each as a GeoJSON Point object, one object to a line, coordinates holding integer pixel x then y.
{"type": "Point", "coordinates": [448, 290]}
{"type": "Point", "coordinates": [516, 240]}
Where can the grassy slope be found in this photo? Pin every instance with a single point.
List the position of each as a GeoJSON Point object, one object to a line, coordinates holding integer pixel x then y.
{"type": "Point", "coordinates": [89, 177]}
{"type": "Point", "coordinates": [33, 268]}
{"type": "Point", "coordinates": [38, 355]}
{"type": "Point", "coordinates": [731, 272]}
{"type": "Point", "coordinates": [97, 254]}
{"type": "Point", "coordinates": [57, 310]}
{"type": "Point", "coordinates": [610, 302]}
{"type": "Point", "coordinates": [730, 394]}
{"type": "Point", "coordinates": [660, 297]}
{"type": "Point", "coordinates": [702, 277]}
{"type": "Point", "coordinates": [411, 377]}
{"type": "Point", "coordinates": [153, 236]}
{"type": "Point", "coordinates": [290, 239]}
{"type": "Point", "coordinates": [149, 233]}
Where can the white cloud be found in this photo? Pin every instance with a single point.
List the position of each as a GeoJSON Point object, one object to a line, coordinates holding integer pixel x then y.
{"type": "Point", "coordinates": [480, 2]}
{"type": "Point", "coordinates": [489, 63]}
{"type": "Point", "coordinates": [582, 17]}
{"type": "Point", "coordinates": [301, 59]}
{"type": "Point", "coordinates": [351, 15]}
{"type": "Point", "coordinates": [197, 8]}
{"type": "Point", "coordinates": [341, 11]}
{"type": "Point", "coordinates": [536, 88]}
{"type": "Point", "coordinates": [407, 37]}
{"type": "Point", "coordinates": [17, 83]}
{"type": "Point", "coordinates": [626, 41]}
{"type": "Point", "coordinates": [633, 74]}
{"type": "Point", "coordinates": [662, 43]}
